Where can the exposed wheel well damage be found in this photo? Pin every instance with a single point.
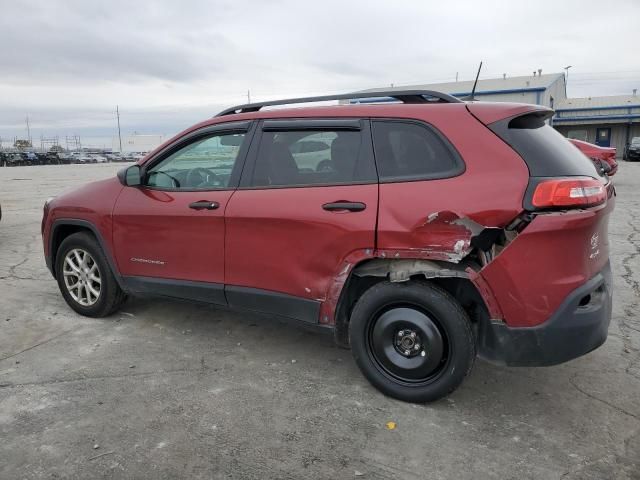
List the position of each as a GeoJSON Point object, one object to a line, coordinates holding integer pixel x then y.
{"type": "Point", "coordinates": [453, 277]}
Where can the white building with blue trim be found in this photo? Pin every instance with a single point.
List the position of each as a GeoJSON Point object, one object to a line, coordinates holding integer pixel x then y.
{"type": "Point", "coordinates": [606, 121]}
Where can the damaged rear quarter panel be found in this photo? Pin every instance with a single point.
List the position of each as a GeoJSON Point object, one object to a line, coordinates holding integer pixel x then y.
{"type": "Point", "coordinates": [435, 219]}
{"type": "Point", "coordinates": [554, 255]}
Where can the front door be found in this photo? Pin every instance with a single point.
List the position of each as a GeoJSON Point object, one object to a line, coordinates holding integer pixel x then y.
{"type": "Point", "coordinates": [169, 233]}
{"type": "Point", "coordinates": [603, 137]}
{"type": "Point", "coordinates": [307, 199]}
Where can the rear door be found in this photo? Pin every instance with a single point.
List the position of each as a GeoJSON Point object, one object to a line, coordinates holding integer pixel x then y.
{"type": "Point", "coordinates": [169, 232]}
{"type": "Point", "coordinates": [308, 198]}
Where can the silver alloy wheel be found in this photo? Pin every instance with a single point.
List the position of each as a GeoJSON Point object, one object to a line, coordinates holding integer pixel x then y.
{"type": "Point", "coordinates": [82, 277]}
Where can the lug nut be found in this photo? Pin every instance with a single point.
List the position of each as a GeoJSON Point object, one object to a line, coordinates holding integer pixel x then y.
{"type": "Point", "coordinates": [413, 334]}
{"type": "Point", "coordinates": [407, 353]}
{"type": "Point", "coordinates": [416, 346]}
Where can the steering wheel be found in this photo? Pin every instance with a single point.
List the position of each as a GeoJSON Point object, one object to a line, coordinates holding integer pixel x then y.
{"type": "Point", "coordinates": [198, 177]}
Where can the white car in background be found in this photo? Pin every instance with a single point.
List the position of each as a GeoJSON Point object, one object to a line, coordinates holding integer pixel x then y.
{"type": "Point", "coordinates": [97, 158]}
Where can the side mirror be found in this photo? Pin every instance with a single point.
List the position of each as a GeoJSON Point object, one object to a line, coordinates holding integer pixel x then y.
{"type": "Point", "coordinates": [130, 176]}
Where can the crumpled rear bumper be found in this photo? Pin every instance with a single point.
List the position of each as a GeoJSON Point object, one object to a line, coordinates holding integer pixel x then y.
{"type": "Point", "coordinates": [577, 327]}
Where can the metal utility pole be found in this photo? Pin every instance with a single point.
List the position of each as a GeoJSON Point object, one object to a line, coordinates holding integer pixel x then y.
{"type": "Point", "coordinates": [119, 135]}
{"type": "Point", "coordinates": [566, 80]}
{"type": "Point", "coordinates": [28, 131]}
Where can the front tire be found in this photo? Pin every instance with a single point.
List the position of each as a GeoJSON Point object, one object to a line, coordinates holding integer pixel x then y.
{"type": "Point", "coordinates": [85, 278]}
{"type": "Point", "coordinates": [412, 341]}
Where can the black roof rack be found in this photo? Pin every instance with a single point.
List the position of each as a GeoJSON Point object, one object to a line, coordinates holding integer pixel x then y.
{"type": "Point", "coordinates": [405, 96]}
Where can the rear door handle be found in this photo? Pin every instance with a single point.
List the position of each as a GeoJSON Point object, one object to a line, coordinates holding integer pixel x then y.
{"type": "Point", "coordinates": [204, 205]}
{"type": "Point", "coordinates": [344, 205]}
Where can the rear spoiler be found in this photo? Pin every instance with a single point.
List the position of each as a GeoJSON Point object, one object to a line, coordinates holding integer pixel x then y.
{"type": "Point", "coordinates": [525, 129]}
{"type": "Point", "coordinates": [488, 113]}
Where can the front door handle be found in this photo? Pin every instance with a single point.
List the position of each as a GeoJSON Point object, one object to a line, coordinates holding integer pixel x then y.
{"type": "Point", "coordinates": [344, 205]}
{"type": "Point", "coordinates": [204, 205]}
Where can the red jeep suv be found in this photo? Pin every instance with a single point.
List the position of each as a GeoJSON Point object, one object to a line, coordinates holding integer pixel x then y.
{"type": "Point", "coordinates": [423, 231]}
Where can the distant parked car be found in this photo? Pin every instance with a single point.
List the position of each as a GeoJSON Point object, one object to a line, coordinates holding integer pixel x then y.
{"type": "Point", "coordinates": [121, 157]}
{"type": "Point", "coordinates": [52, 158]}
{"type": "Point", "coordinates": [130, 157]}
{"type": "Point", "coordinates": [41, 159]}
{"type": "Point", "coordinates": [14, 160]}
{"type": "Point", "coordinates": [65, 158]}
{"type": "Point", "coordinates": [604, 158]}
{"type": "Point", "coordinates": [97, 158]}
{"type": "Point", "coordinates": [29, 158]}
{"type": "Point", "coordinates": [632, 150]}
{"type": "Point", "coordinates": [314, 155]}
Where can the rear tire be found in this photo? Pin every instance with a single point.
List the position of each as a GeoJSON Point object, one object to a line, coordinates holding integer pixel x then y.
{"type": "Point", "coordinates": [85, 278]}
{"type": "Point", "coordinates": [412, 341]}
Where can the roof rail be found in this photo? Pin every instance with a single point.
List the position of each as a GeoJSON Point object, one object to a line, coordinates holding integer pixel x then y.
{"type": "Point", "coordinates": [405, 96]}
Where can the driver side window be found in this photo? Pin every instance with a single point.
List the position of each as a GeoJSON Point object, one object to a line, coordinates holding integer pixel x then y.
{"type": "Point", "coordinates": [204, 164]}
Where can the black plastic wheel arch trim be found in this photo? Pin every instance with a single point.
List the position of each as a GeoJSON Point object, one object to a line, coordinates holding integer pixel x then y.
{"type": "Point", "coordinates": [60, 222]}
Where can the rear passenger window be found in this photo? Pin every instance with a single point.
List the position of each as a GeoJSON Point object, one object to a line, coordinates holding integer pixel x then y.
{"type": "Point", "coordinates": [412, 151]}
{"type": "Point", "coordinates": [312, 157]}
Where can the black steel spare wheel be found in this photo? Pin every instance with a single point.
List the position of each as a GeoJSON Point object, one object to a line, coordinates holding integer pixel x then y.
{"type": "Point", "coordinates": [406, 344]}
{"type": "Point", "coordinates": [413, 340]}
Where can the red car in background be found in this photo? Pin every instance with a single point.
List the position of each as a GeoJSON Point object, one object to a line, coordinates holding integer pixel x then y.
{"type": "Point", "coordinates": [603, 157]}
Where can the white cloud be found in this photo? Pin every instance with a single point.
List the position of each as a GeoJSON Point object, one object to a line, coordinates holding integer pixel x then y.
{"type": "Point", "coordinates": [169, 63]}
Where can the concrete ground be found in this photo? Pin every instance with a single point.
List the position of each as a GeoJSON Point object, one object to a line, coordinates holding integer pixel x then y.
{"type": "Point", "coordinates": [175, 390]}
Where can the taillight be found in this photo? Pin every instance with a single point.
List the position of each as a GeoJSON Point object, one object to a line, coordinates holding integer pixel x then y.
{"type": "Point", "coordinates": [569, 192]}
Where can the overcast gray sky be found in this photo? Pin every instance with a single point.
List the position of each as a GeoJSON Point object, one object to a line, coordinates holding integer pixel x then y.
{"type": "Point", "coordinates": [170, 63]}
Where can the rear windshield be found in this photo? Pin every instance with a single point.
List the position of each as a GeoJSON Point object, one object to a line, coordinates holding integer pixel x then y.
{"type": "Point", "coordinates": [545, 151]}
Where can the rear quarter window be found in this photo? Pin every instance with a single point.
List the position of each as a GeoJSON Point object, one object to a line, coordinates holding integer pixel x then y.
{"type": "Point", "coordinates": [411, 150]}
{"type": "Point", "coordinates": [545, 151]}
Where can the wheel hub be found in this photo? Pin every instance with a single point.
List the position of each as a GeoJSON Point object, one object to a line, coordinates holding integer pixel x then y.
{"type": "Point", "coordinates": [82, 277]}
{"type": "Point", "coordinates": [408, 343]}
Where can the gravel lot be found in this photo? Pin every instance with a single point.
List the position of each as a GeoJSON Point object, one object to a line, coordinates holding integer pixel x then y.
{"type": "Point", "coordinates": [175, 390]}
